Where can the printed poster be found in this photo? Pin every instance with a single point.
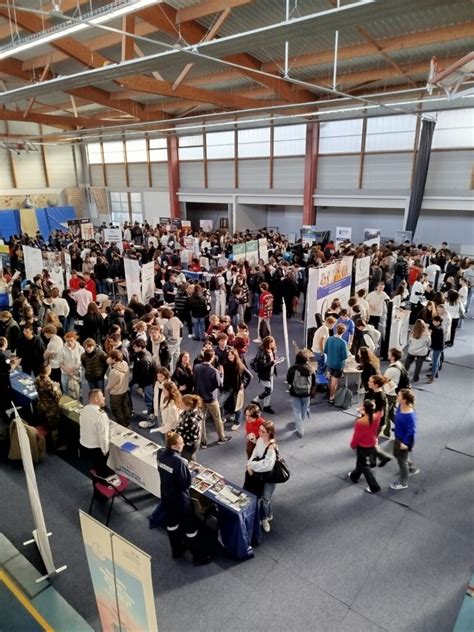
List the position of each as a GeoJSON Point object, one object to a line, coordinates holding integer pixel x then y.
{"type": "Point", "coordinates": [33, 258]}
{"type": "Point", "coordinates": [403, 235]}
{"type": "Point", "coordinates": [148, 281]}
{"type": "Point", "coordinates": [206, 225]}
{"type": "Point", "coordinates": [121, 579]}
{"type": "Point", "coordinates": [308, 234]}
{"type": "Point", "coordinates": [185, 223]}
{"type": "Point", "coordinates": [114, 235]}
{"type": "Point", "coordinates": [372, 236]}
{"type": "Point", "coordinates": [343, 234]}
{"type": "Point", "coordinates": [251, 252]}
{"type": "Point", "coordinates": [132, 278]}
{"type": "Point", "coordinates": [52, 262]}
{"type": "Point", "coordinates": [361, 274]}
{"type": "Point", "coordinates": [67, 266]}
{"type": "Point", "coordinates": [326, 283]}
{"type": "Point", "coordinates": [238, 252]}
{"type": "Point", "coordinates": [263, 249]}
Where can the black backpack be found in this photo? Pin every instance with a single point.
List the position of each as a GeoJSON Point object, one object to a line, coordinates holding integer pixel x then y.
{"type": "Point", "coordinates": [404, 381]}
{"type": "Point", "coordinates": [213, 285]}
{"type": "Point", "coordinates": [257, 362]}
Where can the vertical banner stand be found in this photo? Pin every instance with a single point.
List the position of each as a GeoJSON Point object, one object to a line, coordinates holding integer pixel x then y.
{"type": "Point", "coordinates": [285, 333]}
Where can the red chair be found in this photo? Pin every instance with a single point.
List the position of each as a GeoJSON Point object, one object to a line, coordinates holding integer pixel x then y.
{"type": "Point", "coordinates": [108, 491]}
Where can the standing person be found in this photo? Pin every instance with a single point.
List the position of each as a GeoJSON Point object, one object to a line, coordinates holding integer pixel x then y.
{"type": "Point", "coordinates": [319, 340]}
{"type": "Point", "coordinates": [30, 350]}
{"type": "Point", "coordinates": [190, 424]}
{"type": "Point", "coordinates": [405, 431]}
{"type": "Point", "coordinates": [263, 460]}
{"type": "Point", "coordinates": [5, 384]}
{"type": "Point", "coordinates": [265, 312]}
{"type": "Point", "coordinates": [59, 306]}
{"type": "Point", "coordinates": [53, 345]}
{"type": "Point", "coordinates": [437, 346]}
{"type": "Point", "coordinates": [370, 365]}
{"type": "Point", "coordinates": [253, 421]}
{"type": "Point", "coordinates": [83, 298]}
{"type": "Point", "coordinates": [233, 308]}
{"type": "Point", "coordinates": [175, 482]}
{"type": "Point", "coordinates": [219, 292]}
{"type": "Point", "coordinates": [9, 329]}
{"type": "Point", "coordinates": [94, 438]}
{"type": "Point", "coordinates": [93, 325]}
{"type": "Point", "coordinates": [302, 381]}
{"type": "Point", "coordinates": [344, 319]}
{"type": "Point", "coordinates": [416, 295]}
{"type": "Point", "coordinates": [117, 388]}
{"type": "Point", "coordinates": [337, 353]}
{"type": "Point", "coordinates": [455, 309]}
{"type": "Point", "coordinates": [183, 374]}
{"type": "Point", "coordinates": [173, 332]}
{"type": "Point", "coordinates": [144, 373]}
{"type": "Point", "coordinates": [265, 363]}
{"type": "Point", "coordinates": [236, 378]}
{"type": "Point", "coordinates": [162, 376]}
{"type": "Point", "coordinates": [364, 440]}
{"type": "Point", "coordinates": [94, 362]}
{"type": "Point", "coordinates": [47, 404]}
{"type": "Point", "coordinates": [181, 306]}
{"type": "Point", "coordinates": [198, 309]}
{"type": "Point", "coordinates": [396, 374]}
{"type": "Point", "coordinates": [376, 301]}
{"type": "Point", "coordinates": [158, 347]}
{"type": "Point", "coordinates": [207, 382]}
{"type": "Point", "coordinates": [170, 406]}
{"type": "Point", "coordinates": [69, 359]}
{"type": "Point", "coordinates": [418, 347]}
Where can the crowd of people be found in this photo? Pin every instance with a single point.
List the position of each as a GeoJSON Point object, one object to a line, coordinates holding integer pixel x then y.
{"type": "Point", "coordinates": [85, 335]}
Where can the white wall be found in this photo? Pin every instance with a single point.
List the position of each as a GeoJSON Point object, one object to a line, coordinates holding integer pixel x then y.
{"type": "Point", "coordinates": [156, 204]}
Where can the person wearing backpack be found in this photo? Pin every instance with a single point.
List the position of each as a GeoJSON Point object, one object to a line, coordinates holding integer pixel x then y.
{"type": "Point", "coordinates": [264, 364]}
{"type": "Point", "coordinates": [337, 352]}
{"type": "Point", "coordinates": [398, 379]}
{"type": "Point", "coordinates": [302, 381]}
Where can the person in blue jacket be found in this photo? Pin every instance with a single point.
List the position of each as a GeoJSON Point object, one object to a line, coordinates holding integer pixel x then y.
{"type": "Point", "coordinates": [336, 354]}
{"type": "Point", "coordinates": [405, 431]}
{"type": "Point", "coordinates": [181, 524]}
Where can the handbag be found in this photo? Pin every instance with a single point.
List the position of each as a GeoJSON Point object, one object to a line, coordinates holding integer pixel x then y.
{"type": "Point", "coordinates": [280, 472]}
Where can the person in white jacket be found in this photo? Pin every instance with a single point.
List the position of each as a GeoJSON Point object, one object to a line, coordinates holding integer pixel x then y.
{"type": "Point", "coordinates": [418, 347]}
{"type": "Point", "coordinates": [170, 407]}
{"type": "Point", "coordinates": [263, 459]}
{"type": "Point", "coordinates": [69, 360]}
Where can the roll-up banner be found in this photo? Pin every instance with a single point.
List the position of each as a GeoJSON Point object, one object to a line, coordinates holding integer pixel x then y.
{"type": "Point", "coordinates": [343, 235]}
{"type": "Point", "coordinates": [263, 249]}
{"type": "Point", "coordinates": [206, 225]}
{"type": "Point", "coordinates": [132, 277]}
{"type": "Point", "coordinates": [33, 258]}
{"type": "Point", "coordinates": [238, 252]}
{"type": "Point", "coordinates": [114, 235]}
{"type": "Point", "coordinates": [251, 252]}
{"type": "Point", "coordinates": [372, 236]}
{"type": "Point", "coordinates": [361, 274]}
{"type": "Point", "coordinates": [148, 281]}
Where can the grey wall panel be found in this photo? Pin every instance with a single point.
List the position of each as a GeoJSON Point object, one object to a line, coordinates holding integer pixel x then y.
{"type": "Point", "coordinates": [6, 176]}
{"type": "Point", "coordinates": [138, 175]}
{"type": "Point", "coordinates": [288, 219]}
{"type": "Point", "coordinates": [159, 175]}
{"type": "Point", "coordinates": [388, 220]}
{"type": "Point", "coordinates": [250, 216]}
{"type": "Point", "coordinates": [450, 170]}
{"type": "Point", "coordinates": [338, 172]}
{"type": "Point", "coordinates": [97, 176]}
{"type": "Point", "coordinates": [288, 173]}
{"type": "Point", "coordinates": [116, 176]}
{"type": "Point", "coordinates": [191, 175]}
{"type": "Point", "coordinates": [60, 165]}
{"type": "Point", "coordinates": [20, 128]}
{"type": "Point", "coordinates": [29, 170]}
{"type": "Point", "coordinates": [434, 227]}
{"type": "Point", "coordinates": [220, 174]}
{"type": "Point", "coordinates": [254, 174]}
{"type": "Point", "coordinates": [387, 171]}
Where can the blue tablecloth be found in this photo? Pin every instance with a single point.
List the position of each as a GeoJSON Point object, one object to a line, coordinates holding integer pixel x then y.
{"type": "Point", "coordinates": [23, 390]}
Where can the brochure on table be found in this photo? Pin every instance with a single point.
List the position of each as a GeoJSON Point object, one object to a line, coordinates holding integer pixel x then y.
{"type": "Point", "coordinates": [206, 480]}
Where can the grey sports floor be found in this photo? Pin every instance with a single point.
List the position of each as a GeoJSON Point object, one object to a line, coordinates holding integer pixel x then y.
{"type": "Point", "coordinates": [337, 558]}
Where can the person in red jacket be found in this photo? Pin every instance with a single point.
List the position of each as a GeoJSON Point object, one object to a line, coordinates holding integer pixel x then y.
{"type": "Point", "coordinates": [253, 421]}
{"type": "Point", "coordinates": [364, 440]}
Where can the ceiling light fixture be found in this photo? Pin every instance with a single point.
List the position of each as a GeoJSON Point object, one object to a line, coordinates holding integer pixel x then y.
{"type": "Point", "coordinates": [111, 11]}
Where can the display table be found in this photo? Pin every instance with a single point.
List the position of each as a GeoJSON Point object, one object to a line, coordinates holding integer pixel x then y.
{"type": "Point", "coordinates": [237, 511]}
{"type": "Point", "coordinates": [138, 465]}
{"type": "Point", "coordinates": [352, 371]}
{"type": "Point", "coordinates": [23, 391]}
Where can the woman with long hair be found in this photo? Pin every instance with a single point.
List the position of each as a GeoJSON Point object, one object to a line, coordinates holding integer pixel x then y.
{"type": "Point", "coordinates": [456, 310]}
{"type": "Point", "coordinates": [265, 363]}
{"type": "Point", "coordinates": [263, 460]}
{"type": "Point", "coordinates": [364, 440]}
{"type": "Point", "coordinates": [418, 347]}
{"type": "Point", "coordinates": [170, 407]}
{"type": "Point", "coordinates": [370, 365]}
{"type": "Point", "coordinates": [183, 374]}
{"type": "Point", "coordinates": [93, 324]}
{"type": "Point", "coordinates": [190, 424]}
{"type": "Point", "coordinates": [427, 313]}
{"type": "Point", "coordinates": [236, 378]}
{"type": "Point", "coordinates": [47, 404]}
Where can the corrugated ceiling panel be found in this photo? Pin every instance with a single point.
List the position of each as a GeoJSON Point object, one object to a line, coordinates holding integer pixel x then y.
{"type": "Point", "coordinates": [159, 175]}
{"type": "Point", "coordinates": [220, 174]}
{"type": "Point", "coordinates": [6, 176]}
{"type": "Point", "coordinates": [191, 175]}
{"type": "Point", "coordinates": [29, 170]}
{"type": "Point", "coordinates": [20, 127]}
{"type": "Point", "coordinates": [138, 175]}
{"type": "Point", "coordinates": [60, 165]}
{"type": "Point", "coordinates": [387, 171]}
{"type": "Point", "coordinates": [288, 173]}
{"type": "Point", "coordinates": [97, 176]}
{"type": "Point", "coordinates": [254, 174]}
{"type": "Point", "coordinates": [338, 172]}
{"type": "Point", "coordinates": [116, 176]}
{"type": "Point", "coordinates": [450, 170]}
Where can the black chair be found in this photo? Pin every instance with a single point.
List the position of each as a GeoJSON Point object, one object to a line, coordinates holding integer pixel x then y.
{"type": "Point", "coordinates": [108, 491]}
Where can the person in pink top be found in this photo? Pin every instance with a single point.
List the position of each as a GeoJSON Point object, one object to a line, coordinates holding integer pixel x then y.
{"type": "Point", "coordinates": [364, 440]}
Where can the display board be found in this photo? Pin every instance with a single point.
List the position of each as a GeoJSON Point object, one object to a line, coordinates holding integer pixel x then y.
{"type": "Point", "coordinates": [132, 277]}
{"type": "Point", "coordinates": [372, 236]}
{"type": "Point", "coordinates": [114, 235]}
{"type": "Point", "coordinates": [251, 252]}
{"type": "Point", "coordinates": [343, 234]}
{"type": "Point", "coordinates": [263, 249]}
{"type": "Point", "coordinates": [121, 578]}
{"type": "Point", "coordinates": [238, 252]}
{"type": "Point", "coordinates": [308, 234]}
{"type": "Point", "coordinates": [33, 258]}
{"type": "Point", "coordinates": [81, 228]}
{"type": "Point", "coordinates": [361, 274]}
{"type": "Point", "coordinates": [326, 283]}
{"type": "Point", "coordinates": [206, 225]}
{"type": "Point", "coordinates": [53, 263]}
{"type": "Point", "coordinates": [148, 281]}
{"type": "Point", "coordinates": [403, 235]}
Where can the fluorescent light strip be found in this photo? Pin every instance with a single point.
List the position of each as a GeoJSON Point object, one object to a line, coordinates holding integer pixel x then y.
{"type": "Point", "coordinates": [74, 28]}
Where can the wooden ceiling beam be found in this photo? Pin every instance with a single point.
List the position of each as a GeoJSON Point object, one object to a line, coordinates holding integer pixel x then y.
{"type": "Point", "coordinates": [392, 44]}
{"type": "Point", "coordinates": [128, 25]}
{"type": "Point", "coordinates": [63, 122]}
{"type": "Point", "coordinates": [207, 7]}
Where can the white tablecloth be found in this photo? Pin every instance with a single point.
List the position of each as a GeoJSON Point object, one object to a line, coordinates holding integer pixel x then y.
{"type": "Point", "coordinates": [139, 466]}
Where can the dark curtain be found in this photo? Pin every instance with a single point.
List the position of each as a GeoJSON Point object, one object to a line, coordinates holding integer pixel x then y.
{"type": "Point", "coordinates": [421, 172]}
